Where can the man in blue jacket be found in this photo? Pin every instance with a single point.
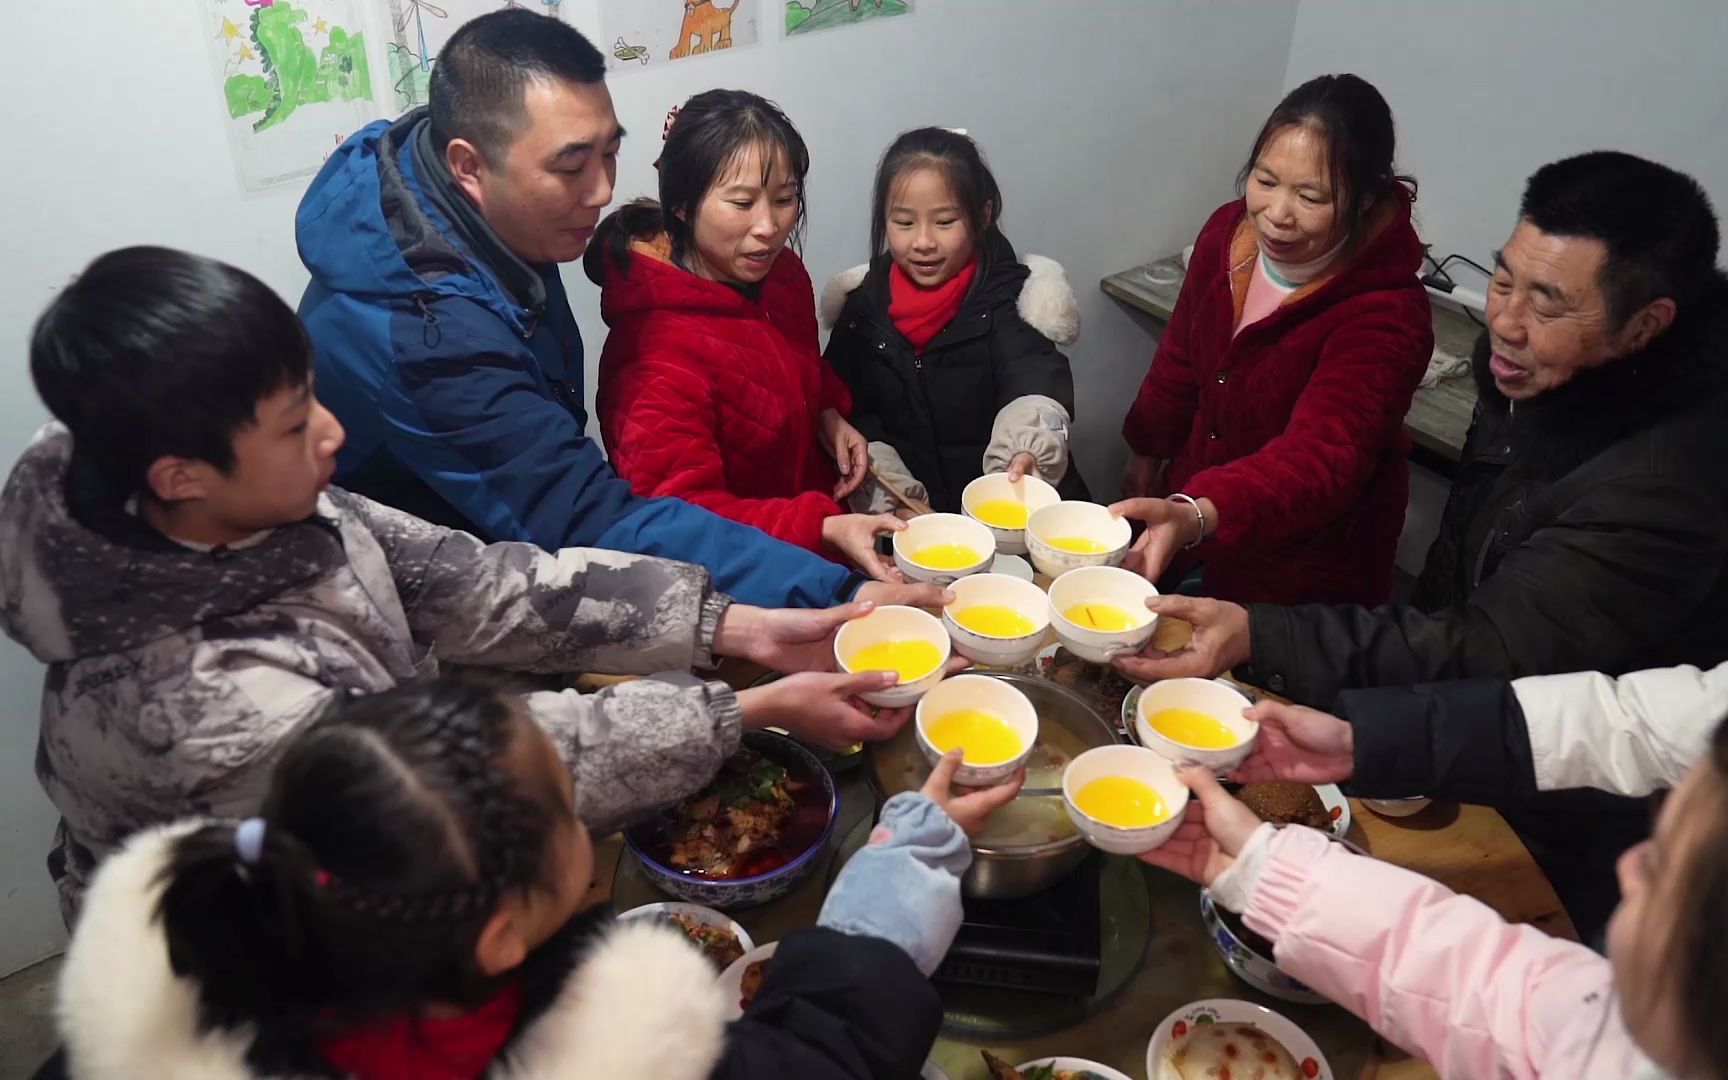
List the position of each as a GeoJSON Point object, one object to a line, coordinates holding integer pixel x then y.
{"type": "Point", "coordinates": [445, 343]}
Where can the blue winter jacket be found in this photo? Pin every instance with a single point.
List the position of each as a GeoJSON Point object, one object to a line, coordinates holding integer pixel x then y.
{"type": "Point", "coordinates": [460, 385]}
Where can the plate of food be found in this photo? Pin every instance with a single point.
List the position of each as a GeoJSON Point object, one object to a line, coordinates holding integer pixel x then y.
{"type": "Point", "coordinates": [721, 940]}
{"type": "Point", "coordinates": [1104, 688]}
{"type": "Point", "coordinates": [752, 835]}
{"type": "Point", "coordinates": [1318, 806]}
{"type": "Point", "coordinates": [1050, 1068]}
{"type": "Point", "coordinates": [1200, 1039]}
{"type": "Point", "coordinates": [743, 978]}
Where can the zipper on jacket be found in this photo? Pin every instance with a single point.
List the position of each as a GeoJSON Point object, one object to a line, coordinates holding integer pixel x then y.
{"type": "Point", "coordinates": [430, 335]}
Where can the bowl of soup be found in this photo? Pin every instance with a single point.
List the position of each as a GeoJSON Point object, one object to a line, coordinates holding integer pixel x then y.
{"type": "Point", "coordinates": [989, 720]}
{"type": "Point", "coordinates": [1070, 535]}
{"type": "Point", "coordinates": [751, 835]}
{"type": "Point", "coordinates": [996, 619]}
{"type": "Point", "coordinates": [1003, 506]}
{"type": "Point", "coordinates": [1029, 845]}
{"type": "Point", "coordinates": [1196, 722]}
{"type": "Point", "coordinates": [1124, 799]}
{"type": "Point", "coordinates": [904, 640]}
{"type": "Point", "coordinates": [942, 548]}
{"type": "Point", "coordinates": [1099, 612]}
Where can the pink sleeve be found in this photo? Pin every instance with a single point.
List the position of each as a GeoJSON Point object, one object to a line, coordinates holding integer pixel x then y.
{"type": "Point", "coordinates": [1439, 974]}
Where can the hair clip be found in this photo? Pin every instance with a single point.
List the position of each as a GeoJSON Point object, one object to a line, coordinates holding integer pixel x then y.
{"type": "Point", "coordinates": [249, 841]}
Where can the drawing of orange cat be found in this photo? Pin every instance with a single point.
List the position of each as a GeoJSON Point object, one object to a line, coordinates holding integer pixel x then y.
{"type": "Point", "coordinates": [705, 27]}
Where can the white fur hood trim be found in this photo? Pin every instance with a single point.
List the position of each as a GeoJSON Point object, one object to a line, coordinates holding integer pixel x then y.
{"type": "Point", "coordinates": [1047, 302]}
{"type": "Point", "coordinates": [643, 1002]}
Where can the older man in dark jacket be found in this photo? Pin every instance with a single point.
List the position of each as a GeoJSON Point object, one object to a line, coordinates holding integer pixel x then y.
{"type": "Point", "coordinates": [1587, 528]}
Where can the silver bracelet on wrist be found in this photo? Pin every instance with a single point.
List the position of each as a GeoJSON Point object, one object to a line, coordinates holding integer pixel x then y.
{"type": "Point", "coordinates": [1199, 515]}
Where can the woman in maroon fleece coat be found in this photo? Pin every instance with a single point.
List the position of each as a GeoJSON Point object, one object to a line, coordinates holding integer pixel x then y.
{"type": "Point", "coordinates": [1267, 438]}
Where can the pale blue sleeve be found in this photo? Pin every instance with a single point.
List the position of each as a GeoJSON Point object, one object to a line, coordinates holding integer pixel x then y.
{"type": "Point", "coordinates": [904, 886]}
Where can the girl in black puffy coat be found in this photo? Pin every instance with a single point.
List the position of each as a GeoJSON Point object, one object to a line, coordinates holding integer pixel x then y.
{"type": "Point", "coordinates": [946, 339]}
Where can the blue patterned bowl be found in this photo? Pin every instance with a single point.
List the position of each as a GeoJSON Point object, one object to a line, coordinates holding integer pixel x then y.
{"type": "Point", "coordinates": [1248, 963]}
{"type": "Point", "coordinates": [729, 894]}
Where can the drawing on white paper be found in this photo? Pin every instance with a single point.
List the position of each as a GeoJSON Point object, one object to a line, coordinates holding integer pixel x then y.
{"type": "Point", "coordinates": [419, 29]}
{"type": "Point", "coordinates": [645, 33]}
{"type": "Point", "coordinates": [294, 82]}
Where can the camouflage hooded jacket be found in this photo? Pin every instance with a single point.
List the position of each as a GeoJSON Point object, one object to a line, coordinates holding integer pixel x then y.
{"type": "Point", "coordinates": [176, 674]}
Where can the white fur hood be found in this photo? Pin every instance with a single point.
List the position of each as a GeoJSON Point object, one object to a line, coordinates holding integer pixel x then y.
{"type": "Point", "coordinates": [1047, 302]}
{"type": "Point", "coordinates": [124, 1014]}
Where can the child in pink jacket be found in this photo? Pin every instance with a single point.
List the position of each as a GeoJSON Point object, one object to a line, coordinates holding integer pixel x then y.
{"type": "Point", "coordinates": [1448, 979]}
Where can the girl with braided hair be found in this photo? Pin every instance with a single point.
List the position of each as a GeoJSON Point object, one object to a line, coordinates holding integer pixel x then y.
{"type": "Point", "coordinates": [410, 903]}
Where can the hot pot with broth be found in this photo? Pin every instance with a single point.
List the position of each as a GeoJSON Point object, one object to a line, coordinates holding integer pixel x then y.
{"type": "Point", "coordinates": [1031, 843]}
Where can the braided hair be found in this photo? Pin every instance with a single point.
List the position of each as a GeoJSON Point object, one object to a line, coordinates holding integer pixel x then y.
{"type": "Point", "coordinates": [390, 834]}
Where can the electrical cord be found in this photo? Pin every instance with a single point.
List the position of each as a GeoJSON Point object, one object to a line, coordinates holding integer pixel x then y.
{"type": "Point", "coordinates": [1439, 279]}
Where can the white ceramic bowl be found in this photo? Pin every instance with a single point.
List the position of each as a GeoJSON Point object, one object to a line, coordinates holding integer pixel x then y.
{"type": "Point", "coordinates": [997, 590]}
{"type": "Point", "coordinates": [1216, 699]}
{"type": "Point", "coordinates": [1136, 763]}
{"type": "Point", "coordinates": [1398, 808]}
{"type": "Point", "coordinates": [931, 529]}
{"type": "Point", "coordinates": [1309, 1060]}
{"type": "Point", "coordinates": [1030, 491]}
{"type": "Point", "coordinates": [1102, 585]}
{"type": "Point", "coordinates": [1066, 519]}
{"type": "Point", "coordinates": [705, 916]}
{"type": "Point", "coordinates": [1074, 1064]}
{"type": "Point", "coordinates": [731, 981]}
{"type": "Point", "coordinates": [995, 696]}
{"type": "Point", "coordinates": [893, 623]}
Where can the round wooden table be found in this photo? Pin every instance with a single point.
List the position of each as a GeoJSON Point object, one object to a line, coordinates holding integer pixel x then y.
{"type": "Point", "coordinates": [1469, 849]}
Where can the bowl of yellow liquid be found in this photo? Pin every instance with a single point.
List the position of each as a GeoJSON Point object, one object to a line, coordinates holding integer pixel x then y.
{"type": "Point", "coordinates": [943, 548]}
{"type": "Point", "coordinates": [989, 719]}
{"type": "Point", "coordinates": [1196, 721]}
{"type": "Point", "coordinates": [1124, 799]}
{"type": "Point", "coordinates": [1099, 612]}
{"type": "Point", "coordinates": [899, 639]}
{"type": "Point", "coordinates": [1004, 506]}
{"type": "Point", "coordinates": [1070, 535]}
{"type": "Point", "coordinates": [996, 619]}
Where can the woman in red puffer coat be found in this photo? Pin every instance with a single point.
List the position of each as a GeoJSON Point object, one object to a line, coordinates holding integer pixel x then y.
{"type": "Point", "coordinates": [712, 385]}
{"type": "Point", "coordinates": [1269, 430]}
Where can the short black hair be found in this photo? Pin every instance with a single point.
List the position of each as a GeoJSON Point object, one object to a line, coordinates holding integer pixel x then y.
{"type": "Point", "coordinates": [961, 164]}
{"type": "Point", "coordinates": [153, 352]}
{"type": "Point", "coordinates": [479, 78]}
{"type": "Point", "coordinates": [1352, 116]}
{"type": "Point", "coordinates": [1656, 222]}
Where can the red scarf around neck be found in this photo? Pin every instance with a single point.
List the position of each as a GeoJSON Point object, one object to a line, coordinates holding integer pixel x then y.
{"type": "Point", "coordinates": [458, 1048]}
{"type": "Point", "coordinates": [920, 314]}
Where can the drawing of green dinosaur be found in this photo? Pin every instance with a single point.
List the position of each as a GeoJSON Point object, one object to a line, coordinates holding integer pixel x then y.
{"type": "Point", "coordinates": [293, 74]}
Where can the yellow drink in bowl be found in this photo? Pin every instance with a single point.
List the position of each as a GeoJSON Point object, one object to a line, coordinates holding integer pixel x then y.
{"type": "Point", "coordinates": [911, 659]}
{"type": "Point", "coordinates": [984, 738]}
{"type": "Point", "coordinates": [995, 620]}
{"type": "Point", "coordinates": [1079, 545]}
{"type": "Point", "coordinates": [1191, 727]}
{"type": "Point", "coordinates": [1106, 617]}
{"type": "Point", "coordinates": [946, 556]}
{"type": "Point", "coordinates": [1002, 513]}
{"type": "Point", "coordinates": [1121, 801]}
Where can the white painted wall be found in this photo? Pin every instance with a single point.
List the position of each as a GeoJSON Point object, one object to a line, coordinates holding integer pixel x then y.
{"type": "Point", "coordinates": [1485, 92]}
{"type": "Point", "coordinates": [1113, 137]}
